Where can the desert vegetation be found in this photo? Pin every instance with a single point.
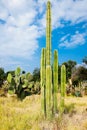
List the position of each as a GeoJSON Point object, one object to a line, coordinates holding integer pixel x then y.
{"type": "Point", "coordinates": [53, 97]}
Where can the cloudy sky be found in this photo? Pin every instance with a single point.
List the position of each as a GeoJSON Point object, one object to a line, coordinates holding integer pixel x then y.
{"type": "Point", "coordinates": [22, 31]}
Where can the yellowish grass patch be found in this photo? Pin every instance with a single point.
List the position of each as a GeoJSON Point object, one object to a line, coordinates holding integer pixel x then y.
{"type": "Point", "coordinates": [26, 114]}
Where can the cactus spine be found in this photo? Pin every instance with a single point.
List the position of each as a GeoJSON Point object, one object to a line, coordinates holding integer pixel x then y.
{"type": "Point", "coordinates": [63, 87]}
{"type": "Point", "coordinates": [55, 81]}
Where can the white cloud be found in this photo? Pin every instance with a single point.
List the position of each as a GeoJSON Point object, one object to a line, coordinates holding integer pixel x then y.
{"type": "Point", "coordinates": [69, 10]}
{"type": "Point", "coordinates": [72, 40]}
{"type": "Point", "coordinates": [64, 38]}
{"type": "Point", "coordinates": [20, 12]}
{"type": "Point", "coordinates": [18, 37]}
{"type": "Point", "coordinates": [74, 11]}
{"type": "Point", "coordinates": [18, 41]}
{"type": "Point", "coordinates": [82, 64]}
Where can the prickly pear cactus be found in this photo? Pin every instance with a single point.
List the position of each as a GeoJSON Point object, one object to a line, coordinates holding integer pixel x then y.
{"type": "Point", "coordinates": [9, 78]}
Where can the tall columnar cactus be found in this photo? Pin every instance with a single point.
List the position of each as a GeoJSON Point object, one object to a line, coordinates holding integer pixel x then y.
{"type": "Point", "coordinates": [48, 34]}
{"type": "Point", "coordinates": [49, 76]}
{"type": "Point", "coordinates": [55, 81]}
{"type": "Point", "coordinates": [63, 87]}
{"type": "Point", "coordinates": [48, 63]}
{"type": "Point", "coordinates": [48, 91]}
{"type": "Point", "coordinates": [48, 100]}
{"type": "Point", "coordinates": [43, 81]}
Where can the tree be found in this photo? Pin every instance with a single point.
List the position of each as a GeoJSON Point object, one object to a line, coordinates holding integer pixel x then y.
{"type": "Point", "coordinates": [36, 74]}
{"type": "Point", "coordinates": [69, 66]}
{"type": "Point", "coordinates": [85, 60]}
{"type": "Point", "coordinates": [11, 72]}
{"type": "Point", "coordinates": [79, 74]}
{"type": "Point", "coordinates": [2, 76]}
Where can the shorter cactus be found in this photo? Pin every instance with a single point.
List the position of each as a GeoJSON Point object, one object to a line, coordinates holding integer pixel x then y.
{"type": "Point", "coordinates": [63, 88]}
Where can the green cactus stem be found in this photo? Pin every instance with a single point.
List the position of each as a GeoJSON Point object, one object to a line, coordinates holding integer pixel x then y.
{"type": "Point", "coordinates": [48, 34]}
{"type": "Point", "coordinates": [48, 92]}
{"type": "Point", "coordinates": [43, 81]}
{"type": "Point", "coordinates": [63, 87]}
{"type": "Point", "coordinates": [55, 81]}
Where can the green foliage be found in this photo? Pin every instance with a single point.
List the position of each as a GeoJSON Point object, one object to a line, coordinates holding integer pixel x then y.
{"type": "Point", "coordinates": [36, 74]}
{"type": "Point", "coordinates": [79, 74]}
{"type": "Point", "coordinates": [85, 60]}
{"type": "Point", "coordinates": [2, 76]}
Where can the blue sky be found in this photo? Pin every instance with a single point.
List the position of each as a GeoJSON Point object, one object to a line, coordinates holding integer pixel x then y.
{"type": "Point", "coordinates": [22, 31]}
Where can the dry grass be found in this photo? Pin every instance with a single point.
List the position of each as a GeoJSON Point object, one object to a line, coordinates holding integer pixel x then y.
{"type": "Point", "coordinates": [17, 115]}
{"type": "Point", "coordinates": [26, 114]}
